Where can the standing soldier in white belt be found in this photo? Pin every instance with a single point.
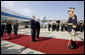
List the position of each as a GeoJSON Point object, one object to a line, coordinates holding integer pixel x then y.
{"type": "Point", "coordinates": [72, 25]}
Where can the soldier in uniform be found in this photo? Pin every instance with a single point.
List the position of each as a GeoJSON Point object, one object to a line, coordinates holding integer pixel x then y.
{"type": "Point", "coordinates": [72, 25]}
{"type": "Point", "coordinates": [62, 26]}
{"type": "Point", "coordinates": [65, 25]}
{"type": "Point", "coordinates": [57, 26]}
{"type": "Point", "coordinates": [33, 28]}
{"type": "Point", "coordinates": [49, 27]}
{"type": "Point", "coordinates": [78, 26]}
{"type": "Point", "coordinates": [81, 26]}
{"type": "Point", "coordinates": [53, 27]}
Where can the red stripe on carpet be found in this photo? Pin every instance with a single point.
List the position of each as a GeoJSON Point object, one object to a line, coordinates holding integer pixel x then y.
{"type": "Point", "coordinates": [46, 45]}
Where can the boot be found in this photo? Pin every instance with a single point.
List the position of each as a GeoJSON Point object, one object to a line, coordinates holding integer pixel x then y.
{"type": "Point", "coordinates": [73, 45]}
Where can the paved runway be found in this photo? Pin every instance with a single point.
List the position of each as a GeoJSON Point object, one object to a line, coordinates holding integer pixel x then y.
{"type": "Point", "coordinates": [12, 48]}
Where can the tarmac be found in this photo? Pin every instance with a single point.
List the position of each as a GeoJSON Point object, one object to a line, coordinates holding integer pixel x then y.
{"type": "Point", "coordinates": [12, 48]}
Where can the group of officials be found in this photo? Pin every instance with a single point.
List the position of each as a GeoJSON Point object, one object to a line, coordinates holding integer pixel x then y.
{"type": "Point", "coordinates": [7, 28]}
{"type": "Point", "coordinates": [35, 28]}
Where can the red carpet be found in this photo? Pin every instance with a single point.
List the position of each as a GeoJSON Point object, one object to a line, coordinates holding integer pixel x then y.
{"type": "Point", "coordinates": [46, 45]}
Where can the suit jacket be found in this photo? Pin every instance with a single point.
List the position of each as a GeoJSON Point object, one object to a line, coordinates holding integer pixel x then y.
{"type": "Point", "coordinates": [33, 24]}
{"type": "Point", "coordinates": [2, 26]}
{"type": "Point", "coordinates": [8, 27]}
{"type": "Point", "coordinates": [15, 26]}
{"type": "Point", "coordinates": [49, 25]}
{"type": "Point", "coordinates": [37, 25]}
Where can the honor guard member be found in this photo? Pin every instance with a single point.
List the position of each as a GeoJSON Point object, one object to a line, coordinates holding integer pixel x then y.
{"type": "Point", "coordinates": [78, 26]}
{"type": "Point", "coordinates": [65, 25]}
{"type": "Point", "coordinates": [62, 26]}
{"type": "Point", "coordinates": [33, 28]}
{"type": "Point", "coordinates": [52, 26]}
{"type": "Point", "coordinates": [49, 26]}
{"type": "Point", "coordinates": [81, 26]}
{"type": "Point", "coordinates": [57, 26]}
{"type": "Point", "coordinates": [72, 25]}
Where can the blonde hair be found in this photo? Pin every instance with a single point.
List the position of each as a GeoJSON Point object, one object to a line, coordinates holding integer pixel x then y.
{"type": "Point", "coordinates": [7, 22]}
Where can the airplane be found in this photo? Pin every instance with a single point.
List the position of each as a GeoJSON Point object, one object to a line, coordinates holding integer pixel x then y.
{"type": "Point", "coordinates": [42, 21]}
{"type": "Point", "coordinates": [7, 14]}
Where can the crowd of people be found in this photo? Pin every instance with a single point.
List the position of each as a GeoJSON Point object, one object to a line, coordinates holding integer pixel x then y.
{"type": "Point", "coordinates": [55, 26]}
{"type": "Point", "coordinates": [63, 26]}
{"type": "Point", "coordinates": [7, 28]}
{"type": "Point", "coordinates": [34, 25]}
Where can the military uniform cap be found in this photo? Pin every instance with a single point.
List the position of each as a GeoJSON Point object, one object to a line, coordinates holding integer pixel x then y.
{"type": "Point", "coordinates": [71, 9]}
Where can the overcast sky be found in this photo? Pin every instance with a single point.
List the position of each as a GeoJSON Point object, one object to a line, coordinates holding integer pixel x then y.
{"type": "Point", "coordinates": [51, 9]}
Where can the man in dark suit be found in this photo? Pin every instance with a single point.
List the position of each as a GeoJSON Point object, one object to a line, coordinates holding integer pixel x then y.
{"type": "Point", "coordinates": [2, 29]}
{"type": "Point", "coordinates": [37, 28]}
{"type": "Point", "coordinates": [15, 27]}
{"type": "Point", "coordinates": [33, 28]}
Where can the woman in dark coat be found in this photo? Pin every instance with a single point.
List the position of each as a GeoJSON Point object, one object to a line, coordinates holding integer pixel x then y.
{"type": "Point", "coordinates": [8, 28]}
{"type": "Point", "coordinates": [15, 27]}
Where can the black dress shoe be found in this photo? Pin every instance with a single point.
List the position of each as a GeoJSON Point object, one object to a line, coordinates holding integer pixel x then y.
{"type": "Point", "coordinates": [34, 41]}
{"type": "Point", "coordinates": [73, 45]}
{"type": "Point", "coordinates": [37, 38]}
